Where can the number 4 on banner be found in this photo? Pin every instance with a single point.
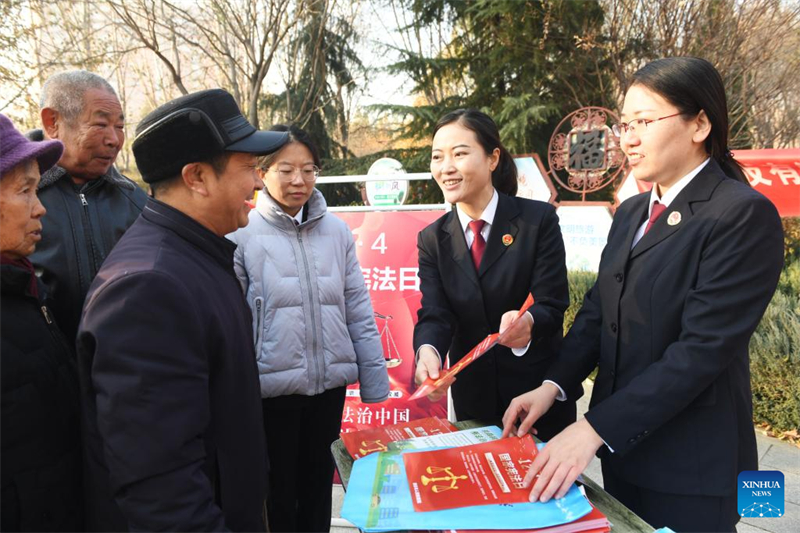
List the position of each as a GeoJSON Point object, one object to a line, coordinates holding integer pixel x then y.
{"type": "Point", "coordinates": [380, 244]}
{"type": "Point", "coordinates": [484, 346]}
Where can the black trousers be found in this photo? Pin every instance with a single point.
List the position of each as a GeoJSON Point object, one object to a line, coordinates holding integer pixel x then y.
{"type": "Point", "coordinates": [300, 431]}
{"type": "Point", "coordinates": [680, 512]}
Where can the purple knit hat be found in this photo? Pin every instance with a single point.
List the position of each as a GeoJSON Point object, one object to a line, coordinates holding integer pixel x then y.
{"type": "Point", "coordinates": [15, 148]}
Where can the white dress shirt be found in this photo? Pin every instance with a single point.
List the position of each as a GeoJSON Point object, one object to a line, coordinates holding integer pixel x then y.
{"type": "Point", "coordinates": [298, 218]}
{"type": "Point", "coordinates": [488, 217]}
{"type": "Point", "coordinates": [667, 199]}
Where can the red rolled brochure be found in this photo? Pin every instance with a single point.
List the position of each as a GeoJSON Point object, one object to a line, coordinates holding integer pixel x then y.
{"type": "Point", "coordinates": [430, 385]}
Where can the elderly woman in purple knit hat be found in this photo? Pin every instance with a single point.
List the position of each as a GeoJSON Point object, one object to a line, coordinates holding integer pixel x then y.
{"type": "Point", "coordinates": [40, 461]}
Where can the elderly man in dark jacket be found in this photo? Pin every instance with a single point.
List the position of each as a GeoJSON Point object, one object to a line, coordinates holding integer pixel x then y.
{"type": "Point", "coordinates": [169, 383]}
{"type": "Point", "coordinates": [89, 204]}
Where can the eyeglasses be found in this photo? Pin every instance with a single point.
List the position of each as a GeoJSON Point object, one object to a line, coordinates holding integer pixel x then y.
{"type": "Point", "coordinates": [638, 125]}
{"type": "Point", "coordinates": [286, 173]}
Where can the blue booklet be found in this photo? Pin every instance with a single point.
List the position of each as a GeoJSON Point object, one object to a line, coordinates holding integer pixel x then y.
{"type": "Point", "coordinates": [378, 498]}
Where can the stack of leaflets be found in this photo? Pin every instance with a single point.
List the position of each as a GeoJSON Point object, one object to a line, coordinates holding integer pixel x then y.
{"type": "Point", "coordinates": [470, 480]}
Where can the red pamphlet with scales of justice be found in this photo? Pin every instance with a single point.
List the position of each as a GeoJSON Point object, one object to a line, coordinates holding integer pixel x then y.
{"type": "Point", "coordinates": [479, 474]}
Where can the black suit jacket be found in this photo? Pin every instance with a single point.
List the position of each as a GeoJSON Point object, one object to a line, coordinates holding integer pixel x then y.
{"type": "Point", "coordinates": [461, 306]}
{"type": "Point", "coordinates": [669, 324]}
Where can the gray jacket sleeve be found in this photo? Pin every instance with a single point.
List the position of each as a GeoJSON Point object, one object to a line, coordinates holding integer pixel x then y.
{"type": "Point", "coordinates": [372, 374]}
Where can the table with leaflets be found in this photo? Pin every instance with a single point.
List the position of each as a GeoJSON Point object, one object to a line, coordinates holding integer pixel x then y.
{"type": "Point", "coordinates": [621, 518]}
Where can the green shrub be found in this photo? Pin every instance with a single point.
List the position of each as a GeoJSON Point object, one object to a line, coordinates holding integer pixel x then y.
{"type": "Point", "coordinates": [580, 281]}
{"type": "Point", "coordinates": [791, 239]}
{"type": "Point", "coordinates": [775, 356]}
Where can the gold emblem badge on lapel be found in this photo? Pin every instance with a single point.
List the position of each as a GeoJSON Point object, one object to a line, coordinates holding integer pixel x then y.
{"type": "Point", "coordinates": [674, 218]}
{"type": "Point", "coordinates": [507, 239]}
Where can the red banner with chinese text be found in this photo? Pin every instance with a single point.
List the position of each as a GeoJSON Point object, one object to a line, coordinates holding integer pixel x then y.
{"type": "Point", "coordinates": [386, 244]}
{"type": "Point", "coordinates": [776, 175]}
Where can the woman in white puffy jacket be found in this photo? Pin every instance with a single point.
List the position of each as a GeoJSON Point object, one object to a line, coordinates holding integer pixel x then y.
{"type": "Point", "coordinates": [314, 330]}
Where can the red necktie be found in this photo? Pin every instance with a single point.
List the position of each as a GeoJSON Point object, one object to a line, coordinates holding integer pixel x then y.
{"type": "Point", "coordinates": [654, 214]}
{"type": "Point", "coordinates": [478, 242]}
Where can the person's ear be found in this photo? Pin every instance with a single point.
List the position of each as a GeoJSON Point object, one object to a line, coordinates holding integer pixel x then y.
{"type": "Point", "coordinates": [702, 127]}
{"type": "Point", "coordinates": [52, 123]}
{"type": "Point", "coordinates": [494, 159]}
{"type": "Point", "coordinates": [197, 176]}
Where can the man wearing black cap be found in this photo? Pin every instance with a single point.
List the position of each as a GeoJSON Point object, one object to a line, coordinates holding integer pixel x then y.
{"type": "Point", "coordinates": [169, 385]}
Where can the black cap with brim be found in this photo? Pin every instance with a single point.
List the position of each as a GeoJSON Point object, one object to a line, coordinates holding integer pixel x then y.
{"type": "Point", "coordinates": [197, 127]}
{"type": "Point", "coordinates": [260, 142]}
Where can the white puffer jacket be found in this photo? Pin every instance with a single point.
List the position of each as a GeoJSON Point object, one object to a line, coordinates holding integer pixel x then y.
{"type": "Point", "coordinates": [314, 327]}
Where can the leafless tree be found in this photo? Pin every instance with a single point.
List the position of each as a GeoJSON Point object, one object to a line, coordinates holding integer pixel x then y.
{"type": "Point", "coordinates": [307, 58]}
{"type": "Point", "coordinates": [311, 52]}
{"type": "Point", "coordinates": [41, 37]}
{"type": "Point", "coordinates": [239, 38]}
{"type": "Point", "coordinates": [754, 44]}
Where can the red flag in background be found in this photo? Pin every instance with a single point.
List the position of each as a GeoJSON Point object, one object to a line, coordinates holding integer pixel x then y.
{"type": "Point", "coordinates": [776, 175]}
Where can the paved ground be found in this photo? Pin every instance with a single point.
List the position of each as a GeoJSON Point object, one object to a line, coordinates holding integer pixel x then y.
{"type": "Point", "coordinates": [773, 455]}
